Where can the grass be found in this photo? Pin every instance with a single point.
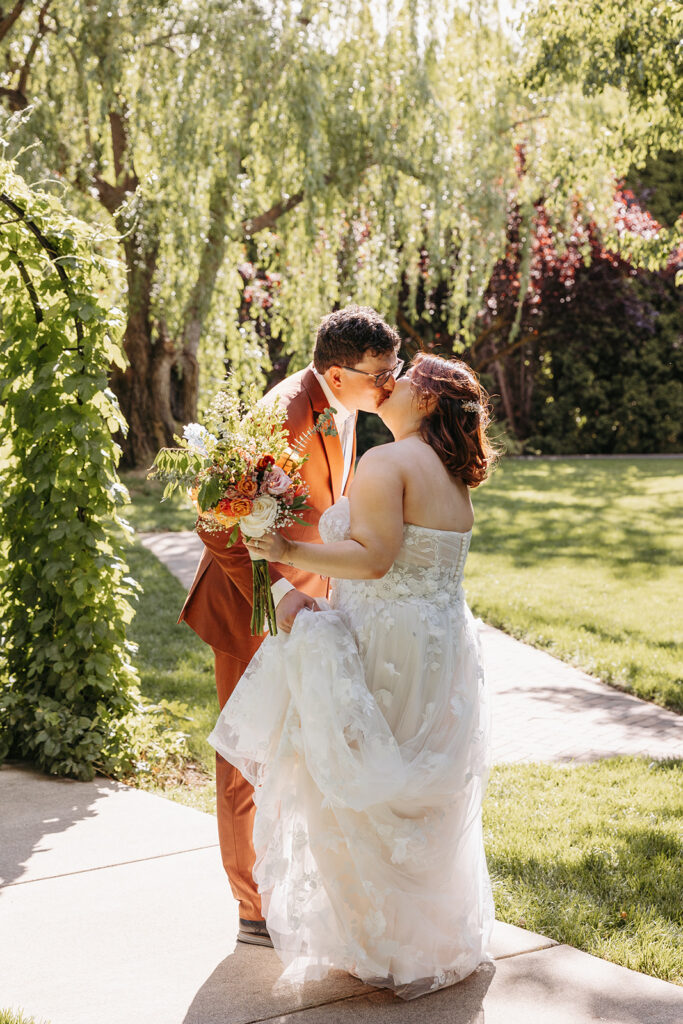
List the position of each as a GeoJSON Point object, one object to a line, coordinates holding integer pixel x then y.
{"type": "Point", "coordinates": [17, 1017]}
{"type": "Point", "coordinates": [592, 856]}
{"type": "Point", "coordinates": [148, 513]}
{"type": "Point", "coordinates": [583, 558]}
{"type": "Point", "coordinates": [173, 663]}
{"type": "Point", "coordinates": [588, 855]}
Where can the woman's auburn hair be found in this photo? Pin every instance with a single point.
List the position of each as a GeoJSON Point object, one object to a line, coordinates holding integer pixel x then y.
{"type": "Point", "coordinates": [458, 435]}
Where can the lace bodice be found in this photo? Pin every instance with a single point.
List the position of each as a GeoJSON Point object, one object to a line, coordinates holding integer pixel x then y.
{"type": "Point", "coordinates": [430, 563]}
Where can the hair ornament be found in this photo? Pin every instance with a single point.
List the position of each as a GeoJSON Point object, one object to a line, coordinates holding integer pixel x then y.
{"type": "Point", "coordinates": [469, 406]}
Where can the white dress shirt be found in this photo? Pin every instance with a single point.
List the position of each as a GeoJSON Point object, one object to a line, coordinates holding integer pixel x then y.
{"type": "Point", "coordinates": [344, 422]}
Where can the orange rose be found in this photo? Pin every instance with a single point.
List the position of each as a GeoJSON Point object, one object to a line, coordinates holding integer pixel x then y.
{"type": "Point", "coordinates": [247, 487]}
{"type": "Point", "coordinates": [241, 507]}
{"type": "Point", "coordinates": [227, 522]}
{"type": "Point", "coordinates": [224, 515]}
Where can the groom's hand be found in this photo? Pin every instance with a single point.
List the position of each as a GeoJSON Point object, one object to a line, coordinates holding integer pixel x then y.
{"type": "Point", "coordinates": [289, 607]}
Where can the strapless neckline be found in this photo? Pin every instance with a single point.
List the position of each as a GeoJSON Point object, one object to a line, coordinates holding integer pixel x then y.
{"type": "Point", "coordinates": [432, 529]}
{"type": "Point", "coordinates": [414, 526]}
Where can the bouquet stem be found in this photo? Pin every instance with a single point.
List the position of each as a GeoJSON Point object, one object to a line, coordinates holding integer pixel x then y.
{"type": "Point", "coordinates": [262, 600]}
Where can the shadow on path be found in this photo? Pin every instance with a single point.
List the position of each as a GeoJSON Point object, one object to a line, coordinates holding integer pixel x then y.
{"type": "Point", "coordinates": [35, 806]}
{"type": "Point", "coordinates": [241, 990]}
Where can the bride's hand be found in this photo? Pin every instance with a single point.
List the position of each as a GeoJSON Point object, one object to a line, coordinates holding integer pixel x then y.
{"type": "Point", "coordinates": [272, 547]}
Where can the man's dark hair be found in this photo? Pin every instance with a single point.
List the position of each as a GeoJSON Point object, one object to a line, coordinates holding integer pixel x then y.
{"type": "Point", "coordinates": [347, 334]}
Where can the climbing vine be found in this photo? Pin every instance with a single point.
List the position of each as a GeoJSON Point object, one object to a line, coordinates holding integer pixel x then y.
{"type": "Point", "coordinates": [66, 678]}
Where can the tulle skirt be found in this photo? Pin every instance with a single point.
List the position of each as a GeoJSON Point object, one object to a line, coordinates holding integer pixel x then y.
{"type": "Point", "coordinates": [369, 759]}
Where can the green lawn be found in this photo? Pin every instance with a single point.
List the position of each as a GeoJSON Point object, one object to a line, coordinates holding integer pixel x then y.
{"type": "Point", "coordinates": [583, 558]}
{"type": "Point", "coordinates": [588, 855]}
{"type": "Point", "coordinates": [148, 513]}
{"type": "Point", "coordinates": [173, 663]}
{"type": "Point", "coordinates": [591, 855]}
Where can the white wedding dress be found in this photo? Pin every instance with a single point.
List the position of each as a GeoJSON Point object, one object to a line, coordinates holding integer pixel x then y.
{"type": "Point", "coordinates": [365, 732]}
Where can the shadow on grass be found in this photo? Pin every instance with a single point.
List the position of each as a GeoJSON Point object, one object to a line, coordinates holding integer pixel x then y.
{"type": "Point", "coordinates": [578, 518]}
{"type": "Point", "coordinates": [623, 888]}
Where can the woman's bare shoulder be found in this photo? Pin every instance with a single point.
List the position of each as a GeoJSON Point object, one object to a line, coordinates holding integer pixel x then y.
{"type": "Point", "coordinates": [381, 455]}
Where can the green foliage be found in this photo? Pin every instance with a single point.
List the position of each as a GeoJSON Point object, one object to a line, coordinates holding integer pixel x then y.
{"type": "Point", "coordinates": [629, 45]}
{"type": "Point", "coordinates": [622, 60]}
{"type": "Point", "coordinates": [65, 667]}
{"type": "Point", "coordinates": [615, 382]}
{"type": "Point", "coordinates": [658, 185]}
{"type": "Point", "coordinates": [328, 146]}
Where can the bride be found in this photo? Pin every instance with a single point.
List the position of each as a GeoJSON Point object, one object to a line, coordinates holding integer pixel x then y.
{"type": "Point", "coordinates": [365, 730]}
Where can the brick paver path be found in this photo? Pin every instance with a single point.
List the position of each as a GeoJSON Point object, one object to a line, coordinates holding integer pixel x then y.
{"type": "Point", "coordinates": [543, 709]}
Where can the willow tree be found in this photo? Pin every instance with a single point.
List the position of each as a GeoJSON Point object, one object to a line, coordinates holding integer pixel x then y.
{"type": "Point", "coordinates": [622, 59]}
{"type": "Point", "coordinates": [353, 151]}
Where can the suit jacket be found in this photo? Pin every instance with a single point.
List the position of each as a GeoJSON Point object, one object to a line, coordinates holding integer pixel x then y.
{"type": "Point", "coordinates": [218, 605]}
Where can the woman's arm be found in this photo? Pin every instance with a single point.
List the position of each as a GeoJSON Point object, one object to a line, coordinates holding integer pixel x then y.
{"type": "Point", "coordinates": [376, 504]}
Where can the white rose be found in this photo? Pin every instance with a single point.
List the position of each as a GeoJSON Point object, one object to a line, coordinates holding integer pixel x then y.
{"type": "Point", "coordinates": [261, 518]}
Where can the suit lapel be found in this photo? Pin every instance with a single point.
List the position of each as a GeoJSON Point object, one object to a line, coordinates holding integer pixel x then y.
{"type": "Point", "coordinates": [331, 445]}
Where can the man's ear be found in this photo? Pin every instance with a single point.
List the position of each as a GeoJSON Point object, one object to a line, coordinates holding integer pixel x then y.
{"type": "Point", "coordinates": [333, 376]}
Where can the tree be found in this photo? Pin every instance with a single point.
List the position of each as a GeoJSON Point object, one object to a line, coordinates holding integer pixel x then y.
{"type": "Point", "coordinates": [626, 55]}
{"type": "Point", "coordinates": [216, 135]}
{"type": "Point", "coordinates": [158, 116]}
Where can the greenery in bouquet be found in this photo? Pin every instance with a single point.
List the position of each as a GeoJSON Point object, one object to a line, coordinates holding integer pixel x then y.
{"type": "Point", "coordinates": [243, 474]}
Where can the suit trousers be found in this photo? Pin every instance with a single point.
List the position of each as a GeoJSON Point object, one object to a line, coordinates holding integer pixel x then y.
{"type": "Point", "coordinates": [235, 804]}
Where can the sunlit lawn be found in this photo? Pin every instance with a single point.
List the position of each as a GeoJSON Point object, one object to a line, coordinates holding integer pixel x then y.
{"type": "Point", "coordinates": [173, 663]}
{"type": "Point", "coordinates": [588, 855]}
{"type": "Point", "coordinates": [591, 855]}
{"type": "Point", "coordinates": [583, 557]}
{"type": "Point", "coordinates": [148, 513]}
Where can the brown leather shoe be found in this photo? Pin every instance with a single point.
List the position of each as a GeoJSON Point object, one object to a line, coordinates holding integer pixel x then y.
{"type": "Point", "coordinates": [255, 933]}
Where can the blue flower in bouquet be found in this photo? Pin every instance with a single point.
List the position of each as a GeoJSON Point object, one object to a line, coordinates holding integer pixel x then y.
{"type": "Point", "coordinates": [196, 436]}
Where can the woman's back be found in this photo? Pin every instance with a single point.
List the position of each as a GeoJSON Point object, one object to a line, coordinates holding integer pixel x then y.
{"type": "Point", "coordinates": [432, 497]}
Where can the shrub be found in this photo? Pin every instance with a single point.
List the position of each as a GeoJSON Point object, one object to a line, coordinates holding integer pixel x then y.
{"type": "Point", "coordinates": [66, 678]}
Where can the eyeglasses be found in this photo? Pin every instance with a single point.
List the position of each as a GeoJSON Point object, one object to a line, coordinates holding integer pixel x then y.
{"type": "Point", "coordinates": [379, 378]}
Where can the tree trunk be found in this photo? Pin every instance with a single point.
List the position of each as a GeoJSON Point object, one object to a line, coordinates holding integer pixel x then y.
{"type": "Point", "coordinates": [157, 392]}
{"type": "Point", "coordinates": [505, 395]}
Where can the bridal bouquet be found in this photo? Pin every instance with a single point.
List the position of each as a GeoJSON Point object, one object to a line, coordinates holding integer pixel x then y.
{"type": "Point", "coordinates": [243, 475]}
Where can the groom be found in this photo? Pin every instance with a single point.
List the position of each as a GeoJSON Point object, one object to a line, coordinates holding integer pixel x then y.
{"type": "Point", "coordinates": [354, 364]}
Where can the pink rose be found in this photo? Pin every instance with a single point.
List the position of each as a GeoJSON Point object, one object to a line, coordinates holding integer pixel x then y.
{"type": "Point", "coordinates": [276, 481]}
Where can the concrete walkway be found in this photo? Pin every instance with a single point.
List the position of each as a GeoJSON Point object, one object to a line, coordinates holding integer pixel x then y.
{"type": "Point", "coordinates": [543, 709]}
{"type": "Point", "coordinates": [114, 909]}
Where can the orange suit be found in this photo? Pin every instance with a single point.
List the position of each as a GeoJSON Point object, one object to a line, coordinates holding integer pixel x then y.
{"type": "Point", "coordinates": [218, 609]}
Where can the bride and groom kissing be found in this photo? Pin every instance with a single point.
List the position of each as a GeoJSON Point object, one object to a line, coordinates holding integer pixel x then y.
{"type": "Point", "coordinates": [352, 748]}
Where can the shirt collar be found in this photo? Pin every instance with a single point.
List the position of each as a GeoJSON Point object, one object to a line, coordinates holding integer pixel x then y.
{"type": "Point", "coordinates": [342, 412]}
